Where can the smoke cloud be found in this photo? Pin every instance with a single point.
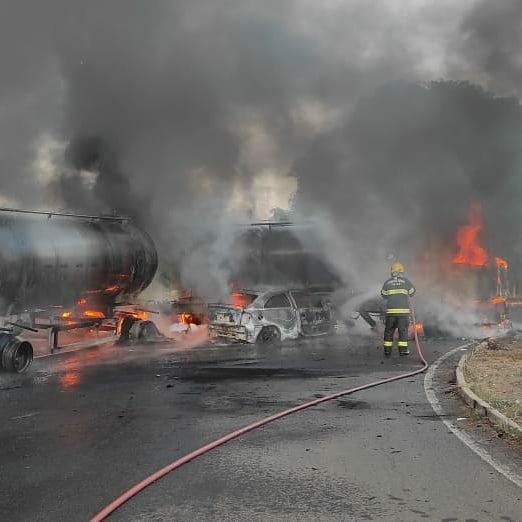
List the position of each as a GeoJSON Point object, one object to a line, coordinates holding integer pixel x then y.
{"type": "Point", "coordinates": [194, 116]}
{"type": "Point", "coordinates": [491, 45]}
{"type": "Point", "coordinates": [401, 172]}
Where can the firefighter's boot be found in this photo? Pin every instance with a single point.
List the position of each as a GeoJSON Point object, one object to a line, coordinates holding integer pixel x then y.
{"type": "Point", "coordinates": [403, 348]}
{"type": "Point", "coordinates": [387, 348]}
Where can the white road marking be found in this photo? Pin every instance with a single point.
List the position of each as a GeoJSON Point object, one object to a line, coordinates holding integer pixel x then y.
{"type": "Point", "coordinates": [26, 415]}
{"type": "Point", "coordinates": [513, 476]}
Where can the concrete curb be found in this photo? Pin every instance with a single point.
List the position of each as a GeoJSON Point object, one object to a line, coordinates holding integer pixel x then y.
{"type": "Point", "coordinates": [481, 406]}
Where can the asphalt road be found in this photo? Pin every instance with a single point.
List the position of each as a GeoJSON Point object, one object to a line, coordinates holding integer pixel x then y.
{"type": "Point", "coordinates": [81, 428]}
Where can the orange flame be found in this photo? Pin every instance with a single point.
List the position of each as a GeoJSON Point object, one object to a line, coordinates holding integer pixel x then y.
{"type": "Point", "coordinates": [418, 327]}
{"type": "Point", "coordinates": [141, 314]}
{"type": "Point", "coordinates": [470, 251]}
{"type": "Point", "coordinates": [93, 314]}
{"type": "Point", "coordinates": [240, 300]}
{"type": "Point", "coordinates": [66, 314]}
{"type": "Point", "coordinates": [501, 262]}
{"type": "Point", "coordinates": [189, 319]}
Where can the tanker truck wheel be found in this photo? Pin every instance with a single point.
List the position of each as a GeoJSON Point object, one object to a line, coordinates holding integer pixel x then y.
{"type": "Point", "coordinates": [143, 330]}
{"type": "Point", "coordinates": [16, 354]}
{"type": "Point", "coordinates": [125, 328]}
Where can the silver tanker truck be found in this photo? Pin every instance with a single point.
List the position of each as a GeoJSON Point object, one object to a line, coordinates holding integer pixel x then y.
{"type": "Point", "coordinates": [65, 261]}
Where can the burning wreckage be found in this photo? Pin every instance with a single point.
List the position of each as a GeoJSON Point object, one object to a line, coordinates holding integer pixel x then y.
{"type": "Point", "coordinates": [63, 272]}
{"type": "Point", "coordinates": [471, 282]}
{"type": "Point", "coordinates": [460, 293]}
{"type": "Point", "coordinates": [268, 317]}
{"type": "Point", "coordinates": [186, 313]}
{"type": "Point", "coordinates": [287, 281]}
{"type": "Point", "coordinates": [464, 292]}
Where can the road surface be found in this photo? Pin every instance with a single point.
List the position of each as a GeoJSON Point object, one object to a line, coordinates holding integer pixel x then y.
{"type": "Point", "coordinates": [79, 429]}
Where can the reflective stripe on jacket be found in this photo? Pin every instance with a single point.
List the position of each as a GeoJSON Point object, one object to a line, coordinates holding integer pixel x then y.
{"type": "Point", "coordinates": [396, 290]}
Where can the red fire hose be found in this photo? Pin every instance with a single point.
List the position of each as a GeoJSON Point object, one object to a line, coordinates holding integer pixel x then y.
{"type": "Point", "coordinates": [114, 505]}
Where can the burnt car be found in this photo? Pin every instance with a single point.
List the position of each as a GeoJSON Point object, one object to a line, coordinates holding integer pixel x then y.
{"type": "Point", "coordinates": [267, 317]}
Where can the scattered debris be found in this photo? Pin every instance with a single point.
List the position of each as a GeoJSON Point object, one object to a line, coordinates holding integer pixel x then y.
{"type": "Point", "coordinates": [495, 344]}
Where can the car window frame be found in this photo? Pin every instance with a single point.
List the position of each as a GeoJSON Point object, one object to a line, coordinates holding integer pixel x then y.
{"type": "Point", "coordinates": [311, 298]}
{"type": "Point", "coordinates": [285, 295]}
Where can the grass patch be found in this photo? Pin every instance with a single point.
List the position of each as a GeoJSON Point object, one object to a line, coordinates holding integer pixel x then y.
{"type": "Point", "coordinates": [494, 373]}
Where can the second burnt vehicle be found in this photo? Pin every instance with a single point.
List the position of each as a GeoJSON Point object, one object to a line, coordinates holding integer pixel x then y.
{"type": "Point", "coordinates": [270, 316]}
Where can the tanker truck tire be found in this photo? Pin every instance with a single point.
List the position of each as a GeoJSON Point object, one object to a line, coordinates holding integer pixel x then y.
{"type": "Point", "coordinates": [125, 328]}
{"type": "Point", "coordinates": [16, 354]}
{"type": "Point", "coordinates": [144, 330]}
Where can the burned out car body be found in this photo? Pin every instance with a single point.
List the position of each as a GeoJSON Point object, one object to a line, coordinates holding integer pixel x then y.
{"type": "Point", "coordinates": [270, 316]}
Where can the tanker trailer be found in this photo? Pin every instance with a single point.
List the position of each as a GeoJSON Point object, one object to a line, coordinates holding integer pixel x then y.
{"type": "Point", "coordinates": [281, 254]}
{"type": "Point", "coordinates": [49, 261]}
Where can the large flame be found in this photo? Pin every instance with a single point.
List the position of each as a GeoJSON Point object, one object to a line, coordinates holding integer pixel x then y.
{"type": "Point", "coordinates": [189, 319]}
{"type": "Point", "coordinates": [470, 251]}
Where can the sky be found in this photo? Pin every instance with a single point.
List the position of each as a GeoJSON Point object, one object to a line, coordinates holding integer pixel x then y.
{"type": "Point", "coordinates": [193, 116]}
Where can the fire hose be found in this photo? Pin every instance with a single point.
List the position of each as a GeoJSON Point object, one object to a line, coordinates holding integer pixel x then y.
{"type": "Point", "coordinates": [140, 486]}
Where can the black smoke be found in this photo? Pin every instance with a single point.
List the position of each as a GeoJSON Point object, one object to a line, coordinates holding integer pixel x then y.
{"type": "Point", "coordinates": [491, 44]}
{"type": "Point", "coordinates": [402, 171]}
{"type": "Point", "coordinates": [106, 190]}
{"type": "Point", "coordinates": [165, 109]}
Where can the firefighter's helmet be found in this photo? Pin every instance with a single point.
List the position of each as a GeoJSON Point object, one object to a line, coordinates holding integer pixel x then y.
{"type": "Point", "coordinates": [397, 268]}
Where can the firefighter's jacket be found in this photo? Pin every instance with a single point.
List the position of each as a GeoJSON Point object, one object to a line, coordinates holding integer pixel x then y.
{"type": "Point", "coordinates": [396, 290]}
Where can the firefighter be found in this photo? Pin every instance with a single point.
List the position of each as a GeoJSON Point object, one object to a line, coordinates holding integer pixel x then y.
{"type": "Point", "coordinates": [397, 290]}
